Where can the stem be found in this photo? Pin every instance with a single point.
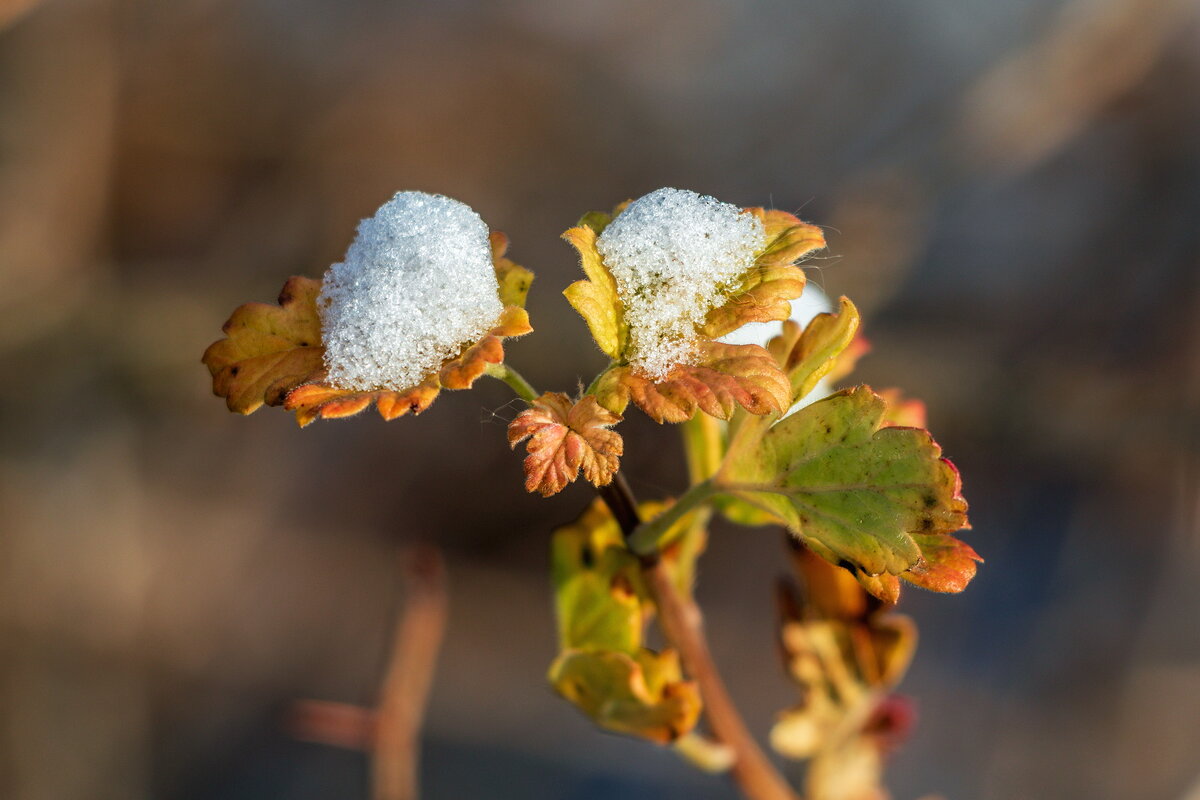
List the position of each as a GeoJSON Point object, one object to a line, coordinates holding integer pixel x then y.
{"type": "Point", "coordinates": [595, 384]}
{"type": "Point", "coordinates": [515, 381]}
{"type": "Point", "coordinates": [683, 625]}
{"type": "Point", "coordinates": [409, 676]}
{"type": "Point", "coordinates": [645, 540]}
{"type": "Point", "coordinates": [704, 446]}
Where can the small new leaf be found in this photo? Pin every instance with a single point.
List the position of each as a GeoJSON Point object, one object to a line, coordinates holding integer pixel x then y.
{"type": "Point", "coordinates": [820, 348]}
{"type": "Point", "coordinates": [564, 438]}
{"type": "Point", "coordinates": [268, 349]}
{"type": "Point", "coordinates": [849, 487]}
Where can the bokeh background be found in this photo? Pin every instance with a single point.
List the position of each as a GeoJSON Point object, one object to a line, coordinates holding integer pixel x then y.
{"type": "Point", "coordinates": [1012, 196]}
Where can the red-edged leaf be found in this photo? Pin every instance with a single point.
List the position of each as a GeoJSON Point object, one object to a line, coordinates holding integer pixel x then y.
{"type": "Point", "coordinates": [725, 376]}
{"type": "Point", "coordinates": [947, 564]}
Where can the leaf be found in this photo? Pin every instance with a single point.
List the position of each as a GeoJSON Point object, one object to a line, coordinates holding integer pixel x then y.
{"type": "Point", "coordinates": [268, 349]}
{"type": "Point", "coordinates": [273, 354]}
{"type": "Point", "coordinates": [846, 655]}
{"type": "Point", "coordinates": [903, 412]}
{"type": "Point", "coordinates": [317, 400]}
{"type": "Point", "coordinates": [597, 596]}
{"type": "Point", "coordinates": [765, 292]}
{"type": "Point", "coordinates": [642, 694]}
{"type": "Point", "coordinates": [513, 279]}
{"type": "Point", "coordinates": [596, 298]}
{"type": "Point", "coordinates": [564, 438]}
{"type": "Point", "coordinates": [884, 586]}
{"type": "Point", "coordinates": [850, 488]}
{"type": "Point", "coordinates": [725, 377]}
{"type": "Point", "coordinates": [602, 606]}
{"type": "Point", "coordinates": [947, 564]}
{"type": "Point", "coordinates": [818, 349]}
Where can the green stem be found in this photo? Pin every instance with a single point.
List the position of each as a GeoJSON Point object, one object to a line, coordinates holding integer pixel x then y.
{"type": "Point", "coordinates": [515, 380]}
{"type": "Point", "coordinates": [595, 384]}
{"type": "Point", "coordinates": [646, 538]}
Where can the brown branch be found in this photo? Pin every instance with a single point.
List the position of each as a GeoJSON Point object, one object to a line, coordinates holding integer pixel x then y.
{"type": "Point", "coordinates": [406, 684]}
{"type": "Point", "coordinates": [391, 731]}
{"type": "Point", "coordinates": [683, 625]}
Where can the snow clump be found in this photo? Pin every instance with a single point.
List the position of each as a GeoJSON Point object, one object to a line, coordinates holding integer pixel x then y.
{"type": "Point", "coordinates": [675, 255]}
{"type": "Point", "coordinates": [416, 286]}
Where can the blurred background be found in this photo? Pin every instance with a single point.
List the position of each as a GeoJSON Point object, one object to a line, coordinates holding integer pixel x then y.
{"type": "Point", "coordinates": [1011, 193]}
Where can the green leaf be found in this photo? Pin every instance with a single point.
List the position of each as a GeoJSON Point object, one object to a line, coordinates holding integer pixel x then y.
{"type": "Point", "coordinates": [595, 579]}
{"type": "Point", "coordinates": [848, 487]}
{"type": "Point", "coordinates": [602, 606]}
{"type": "Point", "coordinates": [642, 694]}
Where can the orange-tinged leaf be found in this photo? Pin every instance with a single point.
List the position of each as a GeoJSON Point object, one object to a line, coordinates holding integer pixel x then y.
{"type": "Point", "coordinates": [947, 564]}
{"type": "Point", "coordinates": [318, 401]}
{"type": "Point", "coordinates": [273, 354]}
{"type": "Point", "coordinates": [903, 412]}
{"type": "Point", "coordinates": [268, 349]}
{"type": "Point", "coordinates": [766, 290]}
{"type": "Point", "coordinates": [884, 586]}
{"type": "Point", "coordinates": [564, 438]}
{"type": "Point", "coordinates": [788, 237]}
{"type": "Point", "coordinates": [725, 377]}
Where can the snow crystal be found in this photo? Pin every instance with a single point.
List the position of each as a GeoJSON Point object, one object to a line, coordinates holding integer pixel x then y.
{"type": "Point", "coordinates": [417, 284]}
{"type": "Point", "coordinates": [675, 255]}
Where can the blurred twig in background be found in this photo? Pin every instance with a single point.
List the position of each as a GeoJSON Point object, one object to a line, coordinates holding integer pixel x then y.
{"type": "Point", "coordinates": [391, 732]}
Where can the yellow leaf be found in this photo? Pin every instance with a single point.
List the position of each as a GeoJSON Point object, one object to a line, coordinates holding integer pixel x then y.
{"type": "Point", "coordinates": [642, 694]}
{"type": "Point", "coordinates": [273, 354]}
{"type": "Point", "coordinates": [766, 290]}
{"type": "Point", "coordinates": [820, 347]}
{"type": "Point", "coordinates": [513, 279]}
{"type": "Point", "coordinates": [268, 349]}
{"type": "Point", "coordinates": [596, 298]}
{"type": "Point", "coordinates": [564, 438]}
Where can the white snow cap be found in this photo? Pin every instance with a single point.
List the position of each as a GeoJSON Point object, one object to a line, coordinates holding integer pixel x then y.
{"type": "Point", "coordinates": [416, 286]}
{"type": "Point", "coordinates": [675, 255]}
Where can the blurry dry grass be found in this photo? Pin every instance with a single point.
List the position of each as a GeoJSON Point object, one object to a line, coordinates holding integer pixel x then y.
{"type": "Point", "coordinates": [1011, 192]}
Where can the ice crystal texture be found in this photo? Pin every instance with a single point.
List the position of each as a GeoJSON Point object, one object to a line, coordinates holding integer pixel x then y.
{"type": "Point", "coordinates": [675, 255]}
{"type": "Point", "coordinates": [417, 284]}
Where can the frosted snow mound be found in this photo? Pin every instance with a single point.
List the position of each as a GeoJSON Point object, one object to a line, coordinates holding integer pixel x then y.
{"type": "Point", "coordinates": [675, 255]}
{"type": "Point", "coordinates": [417, 284]}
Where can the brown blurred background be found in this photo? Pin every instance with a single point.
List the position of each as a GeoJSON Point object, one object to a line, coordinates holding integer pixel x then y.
{"type": "Point", "coordinates": [1012, 196]}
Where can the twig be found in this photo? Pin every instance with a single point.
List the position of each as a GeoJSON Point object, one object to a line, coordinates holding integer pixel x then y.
{"type": "Point", "coordinates": [683, 625]}
{"type": "Point", "coordinates": [391, 731]}
{"type": "Point", "coordinates": [406, 684]}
